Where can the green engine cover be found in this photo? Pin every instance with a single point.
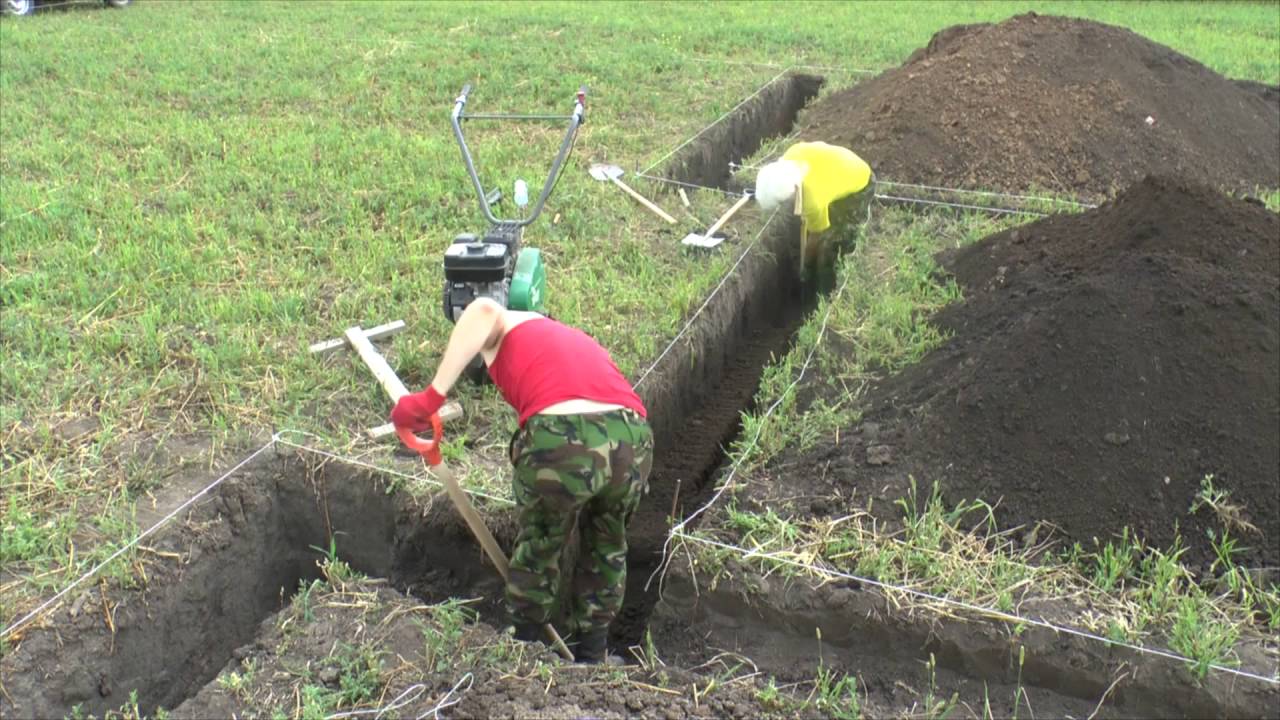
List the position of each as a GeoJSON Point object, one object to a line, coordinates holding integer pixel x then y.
{"type": "Point", "coordinates": [528, 282]}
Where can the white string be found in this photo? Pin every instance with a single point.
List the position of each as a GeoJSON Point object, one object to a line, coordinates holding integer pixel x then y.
{"type": "Point", "coordinates": [988, 192]}
{"type": "Point", "coordinates": [399, 702]}
{"type": "Point", "coordinates": [742, 456]}
{"type": "Point", "coordinates": [682, 183]}
{"type": "Point", "coordinates": [958, 191]}
{"type": "Point", "coordinates": [386, 470]}
{"type": "Point", "coordinates": [1008, 617]}
{"type": "Point", "coordinates": [445, 701]}
{"type": "Point", "coordinates": [120, 551]}
{"type": "Point", "coordinates": [704, 304]}
{"type": "Point", "coordinates": [714, 123]}
{"type": "Point", "coordinates": [747, 63]}
{"type": "Point", "coordinates": [963, 206]}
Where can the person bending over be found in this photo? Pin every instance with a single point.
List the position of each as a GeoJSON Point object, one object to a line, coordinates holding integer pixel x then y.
{"type": "Point", "coordinates": [836, 189]}
{"type": "Point", "coordinates": [582, 454]}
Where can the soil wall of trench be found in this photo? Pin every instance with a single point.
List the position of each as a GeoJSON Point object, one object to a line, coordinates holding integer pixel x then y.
{"type": "Point", "coordinates": [785, 626]}
{"type": "Point", "coordinates": [236, 557]}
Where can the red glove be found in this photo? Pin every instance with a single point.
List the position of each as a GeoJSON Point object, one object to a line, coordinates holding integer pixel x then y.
{"type": "Point", "coordinates": [414, 411]}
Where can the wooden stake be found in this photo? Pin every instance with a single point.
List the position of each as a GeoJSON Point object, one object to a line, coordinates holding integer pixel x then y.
{"type": "Point", "coordinates": [361, 340]}
{"type": "Point", "coordinates": [377, 364]}
{"type": "Point", "coordinates": [804, 227]}
{"type": "Point", "coordinates": [804, 244]}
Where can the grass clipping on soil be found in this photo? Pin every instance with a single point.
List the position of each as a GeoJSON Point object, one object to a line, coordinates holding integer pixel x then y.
{"type": "Point", "coordinates": [1058, 104]}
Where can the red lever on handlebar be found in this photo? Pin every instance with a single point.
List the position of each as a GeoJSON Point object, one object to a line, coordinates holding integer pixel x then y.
{"type": "Point", "coordinates": [429, 449]}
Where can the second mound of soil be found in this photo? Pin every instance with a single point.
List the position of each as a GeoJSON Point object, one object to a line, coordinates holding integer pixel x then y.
{"type": "Point", "coordinates": [1100, 366]}
{"type": "Point", "coordinates": [1054, 103]}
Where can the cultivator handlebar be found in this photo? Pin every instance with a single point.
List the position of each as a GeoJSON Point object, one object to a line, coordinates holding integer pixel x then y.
{"type": "Point", "coordinates": [575, 119]}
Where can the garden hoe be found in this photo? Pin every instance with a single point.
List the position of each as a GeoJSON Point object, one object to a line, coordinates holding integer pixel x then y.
{"type": "Point", "coordinates": [430, 451]}
{"type": "Point", "coordinates": [613, 172]}
{"type": "Point", "coordinates": [710, 240]}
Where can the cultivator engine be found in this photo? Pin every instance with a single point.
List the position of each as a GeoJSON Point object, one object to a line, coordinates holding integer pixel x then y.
{"type": "Point", "coordinates": [494, 265]}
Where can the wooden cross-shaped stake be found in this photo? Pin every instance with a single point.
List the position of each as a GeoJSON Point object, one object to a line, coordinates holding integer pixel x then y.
{"type": "Point", "coordinates": [361, 340]}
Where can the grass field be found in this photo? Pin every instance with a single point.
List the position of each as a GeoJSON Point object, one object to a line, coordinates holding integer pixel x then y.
{"type": "Point", "coordinates": [190, 194]}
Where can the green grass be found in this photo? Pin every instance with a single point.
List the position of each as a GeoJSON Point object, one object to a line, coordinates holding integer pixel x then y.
{"type": "Point", "coordinates": [190, 194]}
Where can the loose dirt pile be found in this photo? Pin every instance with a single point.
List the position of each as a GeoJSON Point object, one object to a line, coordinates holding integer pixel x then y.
{"type": "Point", "coordinates": [1054, 103]}
{"type": "Point", "coordinates": [1101, 366]}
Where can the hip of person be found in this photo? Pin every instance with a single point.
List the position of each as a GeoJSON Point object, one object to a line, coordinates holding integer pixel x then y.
{"type": "Point", "coordinates": [590, 423]}
{"type": "Point", "coordinates": [579, 407]}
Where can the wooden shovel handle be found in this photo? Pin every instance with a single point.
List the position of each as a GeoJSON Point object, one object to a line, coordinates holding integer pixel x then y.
{"type": "Point", "coordinates": [430, 451]}
{"type": "Point", "coordinates": [728, 214]}
{"type": "Point", "coordinates": [644, 201]}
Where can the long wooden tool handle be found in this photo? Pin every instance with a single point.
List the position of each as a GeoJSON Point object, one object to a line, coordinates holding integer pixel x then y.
{"type": "Point", "coordinates": [728, 214]}
{"type": "Point", "coordinates": [488, 543]}
{"type": "Point", "coordinates": [644, 201]}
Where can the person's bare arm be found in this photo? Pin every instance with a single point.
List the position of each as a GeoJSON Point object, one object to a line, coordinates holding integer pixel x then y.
{"type": "Point", "coordinates": [478, 328]}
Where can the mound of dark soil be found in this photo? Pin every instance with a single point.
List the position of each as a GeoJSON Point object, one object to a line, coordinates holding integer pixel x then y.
{"type": "Point", "coordinates": [1054, 103]}
{"type": "Point", "coordinates": [1100, 366]}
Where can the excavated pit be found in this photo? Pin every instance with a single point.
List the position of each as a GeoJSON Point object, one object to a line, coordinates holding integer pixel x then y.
{"type": "Point", "coordinates": [243, 553]}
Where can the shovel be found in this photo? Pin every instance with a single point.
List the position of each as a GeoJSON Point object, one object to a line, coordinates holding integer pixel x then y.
{"type": "Point", "coordinates": [604, 172]}
{"type": "Point", "coordinates": [709, 240]}
{"type": "Point", "coordinates": [430, 451]}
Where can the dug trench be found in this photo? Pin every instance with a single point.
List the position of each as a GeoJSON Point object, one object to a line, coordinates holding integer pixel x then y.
{"type": "Point", "coordinates": [240, 554]}
{"type": "Point", "coordinates": [214, 581]}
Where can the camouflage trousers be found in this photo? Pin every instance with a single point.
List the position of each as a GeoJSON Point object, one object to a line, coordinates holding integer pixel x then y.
{"type": "Point", "coordinates": [589, 470]}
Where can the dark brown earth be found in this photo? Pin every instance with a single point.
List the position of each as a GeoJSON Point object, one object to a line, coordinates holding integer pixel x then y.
{"type": "Point", "coordinates": [1101, 365]}
{"type": "Point", "coordinates": [378, 648]}
{"type": "Point", "coordinates": [1057, 104]}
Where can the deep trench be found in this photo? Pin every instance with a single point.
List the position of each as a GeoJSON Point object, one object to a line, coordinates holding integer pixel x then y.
{"type": "Point", "coordinates": [260, 532]}
{"type": "Point", "coordinates": [697, 405]}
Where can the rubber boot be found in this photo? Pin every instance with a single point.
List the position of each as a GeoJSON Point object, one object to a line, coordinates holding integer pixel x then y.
{"type": "Point", "coordinates": [592, 648]}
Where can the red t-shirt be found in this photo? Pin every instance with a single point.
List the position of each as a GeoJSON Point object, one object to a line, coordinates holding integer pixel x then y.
{"type": "Point", "coordinates": [543, 362]}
